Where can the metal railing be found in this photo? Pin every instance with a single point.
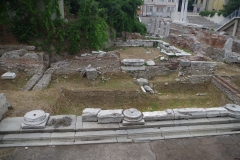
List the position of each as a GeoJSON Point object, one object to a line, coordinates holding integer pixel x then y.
{"type": "Point", "coordinates": [229, 18]}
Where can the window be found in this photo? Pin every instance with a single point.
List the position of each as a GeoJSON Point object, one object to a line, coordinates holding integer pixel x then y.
{"type": "Point", "coordinates": [172, 0]}
{"type": "Point", "coordinates": [168, 9]}
{"type": "Point", "coordinates": [159, 9]}
{"type": "Point", "coordinates": [201, 1]}
{"type": "Point", "coordinates": [169, 0]}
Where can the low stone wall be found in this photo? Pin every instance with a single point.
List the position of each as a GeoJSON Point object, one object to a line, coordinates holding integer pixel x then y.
{"type": "Point", "coordinates": [227, 90]}
{"type": "Point", "coordinates": [204, 36]}
{"type": "Point", "coordinates": [199, 68]}
{"type": "Point", "coordinates": [8, 48]}
{"type": "Point", "coordinates": [197, 79]}
{"type": "Point", "coordinates": [214, 53]}
{"type": "Point", "coordinates": [22, 60]}
{"type": "Point", "coordinates": [109, 62]}
{"type": "Point", "coordinates": [151, 72]}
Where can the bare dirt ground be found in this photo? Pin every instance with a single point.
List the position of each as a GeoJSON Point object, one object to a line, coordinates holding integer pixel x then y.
{"type": "Point", "coordinates": [174, 95]}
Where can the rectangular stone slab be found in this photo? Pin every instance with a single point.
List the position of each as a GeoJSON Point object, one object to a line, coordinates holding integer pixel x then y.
{"type": "Point", "coordinates": [94, 126]}
{"type": "Point", "coordinates": [9, 75]}
{"type": "Point", "coordinates": [199, 121]}
{"type": "Point", "coordinates": [95, 136]}
{"type": "Point", "coordinates": [79, 123]}
{"type": "Point", "coordinates": [122, 136]}
{"type": "Point", "coordinates": [219, 120]}
{"type": "Point", "coordinates": [221, 128]}
{"type": "Point", "coordinates": [167, 123]}
{"type": "Point", "coordinates": [148, 133]}
{"type": "Point", "coordinates": [202, 130]}
{"type": "Point", "coordinates": [62, 138]}
{"type": "Point", "coordinates": [110, 116]}
{"type": "Point", "coordinates": [11, 125]}
{"type": "Point", "coordinates": [126, 123]}
{"type": "Point", "coordinates": [133, 62]}
{"type": "Point", "coordinates": [90, 114]}
{"type": "Point", "coordinates": [175, 132]}
{"type": "Point", "coordinates": [26, 137]}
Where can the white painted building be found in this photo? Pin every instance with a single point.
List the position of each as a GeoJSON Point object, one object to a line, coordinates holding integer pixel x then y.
{"type": "Point", "coordinates": [160, 8]}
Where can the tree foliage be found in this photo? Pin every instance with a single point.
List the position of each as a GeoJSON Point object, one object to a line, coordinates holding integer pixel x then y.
{"type": "Point", "coordinates": [89, 29]}
{"type": "Point", "coordinates": [230, 7]}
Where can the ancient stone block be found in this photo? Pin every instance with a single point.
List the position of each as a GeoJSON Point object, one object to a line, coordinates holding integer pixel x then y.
{"type": "Point", "coordinates": [9, 75]}
{"type": "Point", "coordinates": [90, 114]}
{"type": "Point", "coordinates": [234, 110]}
{"type": "Point", "coordinates": [91, 73]}
{"type": "Point", "coordinates": [185, 63]}
{"type": "Point", "coordinates": [150, 63]}
{"type": "Point", "coordinates": [132, 116]}
{"type": "Point", "coordinates": [142, 81]}
{"type": "Point", "coordinates": [133, 62]}
{"type": "Point", "coordinates": [110, 116]}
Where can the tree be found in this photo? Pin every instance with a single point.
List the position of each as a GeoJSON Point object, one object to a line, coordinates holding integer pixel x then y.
{"type": "Point", "coordinates": [230, 7]}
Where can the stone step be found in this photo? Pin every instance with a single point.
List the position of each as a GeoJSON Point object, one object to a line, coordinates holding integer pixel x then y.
{"type": "Point", "coordinates": [95, 137]}
{"type": "Point", "coordinates": [129, 135]}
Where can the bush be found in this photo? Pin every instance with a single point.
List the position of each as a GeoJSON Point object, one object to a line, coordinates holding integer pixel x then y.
{"type": "Point", "coordinates": [87, 30]}
{"type": "Point", "coordinates": [207, 13]}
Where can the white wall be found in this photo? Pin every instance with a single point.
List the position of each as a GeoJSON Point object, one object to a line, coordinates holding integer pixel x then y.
{"type": "Point", "coordinates": [216, 18]}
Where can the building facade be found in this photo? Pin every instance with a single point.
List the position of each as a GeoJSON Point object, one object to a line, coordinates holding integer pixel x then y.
{"type": "Point", "coordinates": [208, 5]}
{"type": "Point", "coordinates": [158, 8]}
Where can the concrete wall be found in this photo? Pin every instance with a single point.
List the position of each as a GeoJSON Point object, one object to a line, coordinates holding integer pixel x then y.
{"type": "Point", "coordinates": [216, 18]}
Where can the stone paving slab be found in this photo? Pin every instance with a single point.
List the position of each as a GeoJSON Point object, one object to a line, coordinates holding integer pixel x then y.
{"type": "Point", "coordinates": [225, 128]}
{"type": "Point", "coordinates": [145, 133]}
{"type": "Point", "coordinates": [175, 132]}
{"type": "Point", "coordinates": [167, 123]}
{"type": "Point", "coordinates": [11, 125]}
{"type": "Point", "coordinates": [219, 120]}
{"type": "Point", "coordinates": [200, 121]}
{"type": "Point", "coordinates": [79, 123]}
{"type": "Point", "coordinates": [202, 130]}
{"type": "Point", "coordinates": [65, 138]}
{"type": "Point", "coordinates": [122, 136]}
{"type": "Point", "coordinates": [93, 126]}
{"type": "Point", "coordinates": [95, 137]}
{"type": "Point", "coordinates": [27, 138]}
{"type": "Point", "coordinates": [183, 122]}
{"type": "Point", "coordinates": [233, 120]}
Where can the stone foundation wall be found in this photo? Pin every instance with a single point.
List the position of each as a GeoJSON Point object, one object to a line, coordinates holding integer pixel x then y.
{"type": "Point", "coordinates": [204, 36]}
{"type": "Point", "coordinates": [197, 79]}
{"type": "Point", "coordinates": [8, 48]}
{"type": "Point", "coordinates": [227, 91]}
{"type": "Point", "coordinates": [109, 62]}
{"type": "Point", "coordinates": [199, 68]}
{"type": "Point", "coordinates": [151, 72]}
{"type": "Point", "coordinates": [29, 62]}
{"type": "Point", "coordinates": [214, 53]}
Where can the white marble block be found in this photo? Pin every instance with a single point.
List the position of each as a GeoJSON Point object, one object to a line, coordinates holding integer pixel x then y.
{"type": "Point", "coordinates": [9, 75]}
{"type": "Point", "coordinates": [90, 114]}
{"type": "Point", "coordinates": [110, 116]}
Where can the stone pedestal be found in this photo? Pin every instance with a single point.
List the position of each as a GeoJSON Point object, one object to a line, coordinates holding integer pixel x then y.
{"type": "Point", "coordinates": [91, 73]}
{"type": "Point", "coordinates": [132, 116]}
{"type": "Point", "coordinates": [90, 114]}
{"type": "Point", "coordinates": [35, 119]}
